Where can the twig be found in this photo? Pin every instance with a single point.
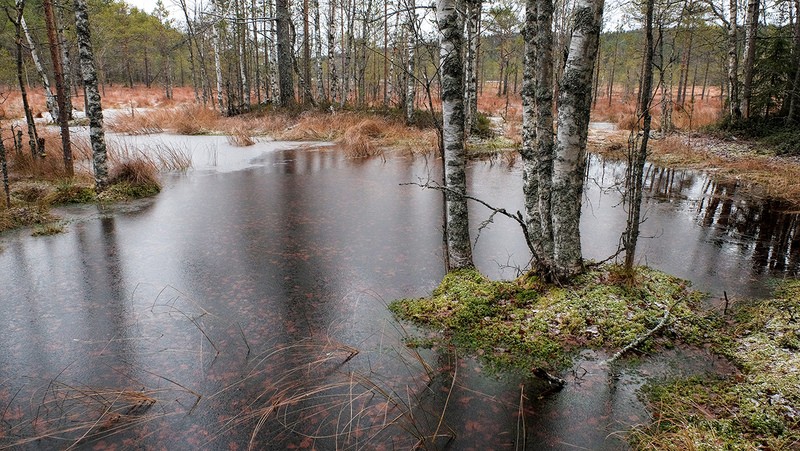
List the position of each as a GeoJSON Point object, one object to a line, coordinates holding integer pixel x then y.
{"type": "Point", "coordinates": [517, 217]}
{"type": "Point", "coordinates": [641, 339]}
{"type": "Point", "coordinates": [543, 374]}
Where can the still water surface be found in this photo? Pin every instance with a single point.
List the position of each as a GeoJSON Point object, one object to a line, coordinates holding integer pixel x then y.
{"type": "Point", "coordinates": [242, 289]}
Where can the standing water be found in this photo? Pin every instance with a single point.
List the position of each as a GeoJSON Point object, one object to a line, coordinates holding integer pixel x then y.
{"type": "Point", "coordinates": [245, 305]}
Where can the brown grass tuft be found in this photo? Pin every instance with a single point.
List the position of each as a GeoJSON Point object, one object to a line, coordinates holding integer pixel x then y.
{"type": "Point", "coordinates": [240, 137]}
{"type": "Point", "coordinates": [363, 139]}
{"type": "Point", "coordinates": [136, 171]}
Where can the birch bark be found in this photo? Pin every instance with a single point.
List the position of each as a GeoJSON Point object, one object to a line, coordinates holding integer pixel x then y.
{"type": "Point", "coordinates": [94, 107]}
{"type": "Point", "coordinates": [574, 105]}
{"type": "Point", "coordinates": [459, 249]}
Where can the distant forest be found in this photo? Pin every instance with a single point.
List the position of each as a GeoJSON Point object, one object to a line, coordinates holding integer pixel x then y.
{"type": "Point", "coordinates": [363, 53]}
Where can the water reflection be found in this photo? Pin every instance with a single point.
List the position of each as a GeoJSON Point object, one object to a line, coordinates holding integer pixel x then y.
{"type": "Point", "coordinates": [272, 246]}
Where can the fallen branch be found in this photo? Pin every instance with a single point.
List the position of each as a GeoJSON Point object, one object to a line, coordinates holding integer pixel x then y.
{"type": "Point", "coordinates": [542, 374]}
{"type": "Point", "coordinates": [641, 339]}
{"type": "Point", "coordinates": [517, 217]}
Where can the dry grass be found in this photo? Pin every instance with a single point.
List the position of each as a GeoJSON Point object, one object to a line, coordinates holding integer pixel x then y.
{"type": "Point", "coordinates": [363, 139]}
{"type": "Point", "coordinates": [240, 137]}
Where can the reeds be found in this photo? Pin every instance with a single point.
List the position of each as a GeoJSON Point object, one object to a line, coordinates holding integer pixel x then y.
{"type": "Point", "coordinates": [240, 137]}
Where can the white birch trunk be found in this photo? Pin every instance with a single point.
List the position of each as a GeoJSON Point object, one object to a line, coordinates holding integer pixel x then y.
{"type": "Point", "coordinates": [574, 106]}
{"type": "Point", "coordinates": [94, 108]}
{"type": "Point", "coordinates": [411, 86]}
{"type": "Point", "coordinates": [750, 34]}
{"type": "Point", "coordinates": [272, 74]}
{"type": "Point", "coordinates": [734, 108]}
{"type": "Point", "coordinates": [50, 99]}
{"type": "Point", "coordinates": [333, 90]}
{"type": "Point", "coordinates": [473, 14]}
{"type": "Point", "coordinates": [537, 130]}
{"type": "Point", "coordinates": [318, 50]}
{"type": "Point", "coordinates": [459, 249]}
{"type": "Point", "coordinates": [217, 63]}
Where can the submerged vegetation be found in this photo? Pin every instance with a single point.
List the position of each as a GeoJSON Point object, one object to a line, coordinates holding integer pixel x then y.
{"type": "Point", "coordinates": [525, 324]}
{"type": "Point", "coordinates": [757, 408]}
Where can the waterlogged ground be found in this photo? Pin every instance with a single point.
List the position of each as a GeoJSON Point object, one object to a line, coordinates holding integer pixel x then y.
{"type": "Point", "coordinates": [245, 305]}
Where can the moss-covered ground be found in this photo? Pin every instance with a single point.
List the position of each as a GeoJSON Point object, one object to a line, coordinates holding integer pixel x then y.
{"type": "Point", "coordinates": [757, 408]}
{"type": "Point", "coordinates": [525, 324]}
{"type": "Point", "coordinates": [31, 201]}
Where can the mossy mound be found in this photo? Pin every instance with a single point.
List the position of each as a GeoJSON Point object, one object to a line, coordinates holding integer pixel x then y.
{"type": "Point", "coordinates": [756, 409]}
{"type": "Point", "coordinates": [524, 324]}
{"type": "Point", "coordinates": [128, 191]}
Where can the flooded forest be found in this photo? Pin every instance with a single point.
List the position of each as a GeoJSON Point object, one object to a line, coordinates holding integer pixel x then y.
{"type": "Point", "coordinates": [442, 225]}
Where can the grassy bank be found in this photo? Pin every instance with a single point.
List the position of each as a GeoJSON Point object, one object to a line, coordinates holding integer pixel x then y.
{"type": "Point", "coordinates": [758, 408]}
{"type": "Point", "coordinates": [524, 324]}
{"type": "Point", "coordinates": [38, 184]}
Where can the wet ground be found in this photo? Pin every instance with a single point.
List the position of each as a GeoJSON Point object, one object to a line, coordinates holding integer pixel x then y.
{"type": "Point", "coordinates": [254, 286]}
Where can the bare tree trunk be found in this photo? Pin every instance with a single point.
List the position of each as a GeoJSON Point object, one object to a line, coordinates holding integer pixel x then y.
{"type": "Point", "coordinates": [33, 138]}
{"type": "Point", "coordinates": [192, 40]}
{"type": "Point", "coordinates": [65, 62]}
{"type": "Point", "coordinates": [332, 77]}
{"type": "Point", "coordinates": [217, 63]}
{"type": "Point", "coordinates": [306, 55]}
{"type": "Point", "coordinates": [473, 15]}
{"type": "Point", "coordinates": [58, 74]}
{"type": "Point", "coordinates": [318, 51]}
{"type": "Point", "coordinates": [734, 108]}
{"type": "Point", "coordinates": [794, 96]}
{"type": "Point", "coordinates": [285, 66]}
{"type": "Point", "coordinates": [450, 24]}
{"type": "Point", "coordinates": [256, 48]}
{"type": "Point", "coordinates": [411, 86]}
{"type": "Point", "coordinates": [272, 74]}
{"type": "Point", "coordinates": [94, 108]}
{"type": "Point", "coordinates": [50, 99]}
{"type": "Point", "coordinates": [537, 130]}
{"type": "Point", "coordinates": [574, 105]}
{"type": "Point", "coordinates": [750, 36]}
{"type": "Point", "coordinates": [638, 155]}
{"type": "Point", "coordinates": [4, 170]}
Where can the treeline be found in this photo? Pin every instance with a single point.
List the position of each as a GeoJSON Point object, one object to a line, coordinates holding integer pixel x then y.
{"type": "Point", "coordinates": [240, 53]}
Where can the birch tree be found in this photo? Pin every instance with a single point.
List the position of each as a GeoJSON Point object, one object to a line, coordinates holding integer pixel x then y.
{"type": "Point", "coordinates": [750, 34]}
{"type": "Point", "coordinates": [637, 150]}
{"type": "Point", "coordinates": [459, 249]}
{"type": "Point", "coordinates": [284, 47]}
{"type": "Point", "coordinates": [50, 99]}
{"type": "Point", "coordinates": [574, 105]}
{"type": "Point", "coordinates": [36, 146]}
{"type": "Point", "coordinates": [537, 129]}
{"type": "Point", "coordinates": [554, 169]}
{"type": "Point", "coordinates": [94, 108]}
{"type": "Point", "coordinates": [473, 20]}
{"type": "Point", "coordinates": [411, 81]}
{"type": "Point", "coordinates": [58, 74]}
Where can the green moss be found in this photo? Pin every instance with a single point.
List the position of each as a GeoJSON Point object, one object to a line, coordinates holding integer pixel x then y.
{"type": "Point", "coordinates": [757, 408]}
{"type": "Point", "coordinates": [23, 216]}
{"type": "Point", "coordinates": [50, 228]}
{"type": "Point", "coordinates": [72, 192]}
{"type": "Point", "coordinates": [523, 323]}
{"type": "Point", "coordinates": [128, 191]}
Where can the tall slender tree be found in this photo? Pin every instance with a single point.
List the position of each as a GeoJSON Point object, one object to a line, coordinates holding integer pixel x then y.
{"type": "Point", "coordinates": [750, 35]}
{"type": "Point", "coordinates": [451, 27]}
{"type": "Point", "coordinates": [58, 74]}
{"type": "Point", "coordinates": [94, 107]}
{"type": "Point", "coordinates": [574, 106]}
{"type": "Point", "coordinates": [284, 46]}
{"type": "Point", "coordinates": [637, 146]}
{"type": "Point", "coordinates": [537, 128]}
{"type": "Point", "coordinates": [50, 99]}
